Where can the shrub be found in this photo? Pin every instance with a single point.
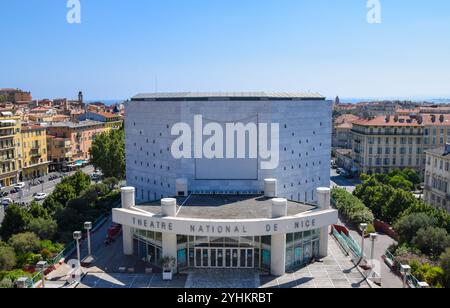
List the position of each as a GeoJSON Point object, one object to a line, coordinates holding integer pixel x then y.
{"type": "Point", "coordinates": [432, 241]}
{"type": "Point", "coordinates": [408, 225]}
{"type": "Point", "coordinates": [445, 265]}
{"type": "Point", "coordinates": [6, 283]}
{"type": "Point", "coordinates": [7, 258]}
{"type": "Point", "coordinates": [351, 207]}
{"type": "Point", "coordinates": [24, 243]}
{"type": "Point", "coordinates": [43, 227]}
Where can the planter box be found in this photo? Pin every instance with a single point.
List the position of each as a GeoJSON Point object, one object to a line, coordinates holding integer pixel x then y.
{"type": "Point", "coordinates": [168, 275]}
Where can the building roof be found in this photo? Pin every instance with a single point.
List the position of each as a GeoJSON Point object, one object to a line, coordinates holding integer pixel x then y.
{"type": "Point", "coordinates": [251, 96]}
{"type": "Point", "coordinates": [32, 127]}
{"type": "Point", "coordinates": [107, 115]}
{"type": "Point", "coordinates": [346, 118]}
{"type": "Point", "coordinates": [227, 207]}
{"type": "Point", "coordinates": [75, 124]}
{"type": "Point", "coordinates": [345, 125]}
{"type": "Point", "coordinates": [407, 121]}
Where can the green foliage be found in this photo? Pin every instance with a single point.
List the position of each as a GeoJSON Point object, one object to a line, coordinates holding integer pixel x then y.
{"type": "Point", "coordinates": [398, 202]}
{"type": "Point", "coordinates": [24, 243]}
{"type": "Point", "coordinates": [45, 228]}
{"type": "Point", "coordinates": [64, 192]}
{"type": "Point", "coordinates": [79, 181]}
{"type": "Point", "coordinates": [408, 225]}
{"type": "Point", "coordinates": [401, 183]}
{"type": "Point", "coordinates": [432, 241]}
{"type": "Point", "coordinates": [441, 216]}
{"type": "Point", "coordinates": [108, 153]}
{"type": "Point", "coordinates": [6, 283]}
{"type": "Point", "coordinates": [7, 258]}
{"type": "Point", "coordinates": [38, 211]}
{"type": "Point", "coordinates": [351, 207]}
{"type": "Point", "coordinates": [94, 192]}
{"type": "Point", "coordinates": [111, 182]}
{"type": "Point", "coordinates": [15, 221]}
{"type": "Point", "coordinates": [52, 205]}
{"type": "Point", "coordinates": [445, 265]}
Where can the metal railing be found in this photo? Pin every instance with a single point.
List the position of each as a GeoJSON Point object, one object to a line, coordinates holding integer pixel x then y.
{"type": "Point", "coordinates": [411, 280]}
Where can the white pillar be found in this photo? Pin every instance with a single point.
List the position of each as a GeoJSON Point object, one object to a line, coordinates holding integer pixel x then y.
{"type": "Point", "coordinates": [169, 247]}
{"type": "Point", "coordinates": [181, 187]}
{"type": "Point", "coordinates": [323, 197]}
{"type": "Point", "coordinates": [128, 201]}
{"type": "Point", "coordinates": [278, 241]}
{"type": "Point", "coordinates": [270, 188]}
{"type": "Point", "coordinates": [169, 207]}
{"type": "Point", "coordinates": [278, 255]}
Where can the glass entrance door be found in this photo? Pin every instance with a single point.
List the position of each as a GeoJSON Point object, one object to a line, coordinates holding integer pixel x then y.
{"type": "Point", "coordinates": [224, 258]}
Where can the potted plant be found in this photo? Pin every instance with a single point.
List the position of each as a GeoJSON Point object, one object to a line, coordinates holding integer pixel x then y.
{"type": "Point", "coordinates": [168, 264]}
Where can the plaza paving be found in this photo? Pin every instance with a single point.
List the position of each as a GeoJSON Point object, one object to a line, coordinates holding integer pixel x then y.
{"type": "Point", "coordinates": [335, 271]}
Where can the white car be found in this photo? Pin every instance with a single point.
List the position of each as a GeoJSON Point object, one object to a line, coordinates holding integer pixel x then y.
{"type": "Point", "coordinates": [7, 201]}
{"type": "Point", "coordinates": [40, 197]}
{"type": "Point", "coordinates": [19, 186]}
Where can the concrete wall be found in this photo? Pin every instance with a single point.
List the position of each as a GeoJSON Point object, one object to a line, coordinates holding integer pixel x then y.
{"type": "Point", "coordinates": [305, 146]}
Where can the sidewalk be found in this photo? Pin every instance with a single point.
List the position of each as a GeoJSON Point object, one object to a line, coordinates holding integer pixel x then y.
{"type": "Point", "coordinates": [388, 278]}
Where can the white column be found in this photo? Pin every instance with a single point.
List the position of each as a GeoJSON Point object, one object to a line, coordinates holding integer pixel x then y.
{"type": "Point", "coordinates": [278, 241]}
{"type": "Point", "coordinates": [278, 255]}
{"type": "Point", "coordinates": [128, 201]}
{"type": "Point", "coordinates": [270, 188]}
{"type": "Point", "coordinates": [169, 241]}
{"type": "Point", "coordinates": [169, 247]}
{"type": "Point", "coordinates": [323, 197]}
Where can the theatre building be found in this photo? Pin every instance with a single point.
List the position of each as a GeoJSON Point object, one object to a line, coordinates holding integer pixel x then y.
{"type": "Point", "coordinates": [216, 212]}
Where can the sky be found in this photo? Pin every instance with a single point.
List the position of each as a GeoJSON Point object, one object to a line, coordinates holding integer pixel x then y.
{"type": "Point", "coordinates": [122, 48]}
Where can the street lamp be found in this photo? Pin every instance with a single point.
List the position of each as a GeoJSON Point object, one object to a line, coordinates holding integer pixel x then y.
{"type": "Point", "coordinates": [405, 270]}
{"type": "Point", "coordinates": [22, 283]}
{"type": "Point", "coordinates": [41, 267]}
{"type": "Point", "coordinates": [373, 238]}
{"type": "Point", "coordinates": [363, 228]}
{"type": "Point", "coordinates": [88, 228]}
{"type": "Point", "coordinates": [77, 237]}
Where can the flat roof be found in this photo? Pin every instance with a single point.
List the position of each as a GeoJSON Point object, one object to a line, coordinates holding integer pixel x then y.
{"type": "Point", "coordinates": [76, 124]}
{"type": "Point", "coordinates": [232, 96]}
{"type": "Point", "coordinates": [226, 207]}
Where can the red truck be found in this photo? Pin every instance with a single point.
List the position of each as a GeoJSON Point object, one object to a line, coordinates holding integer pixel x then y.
{"type": "Point", "coordinates": [113, 233]}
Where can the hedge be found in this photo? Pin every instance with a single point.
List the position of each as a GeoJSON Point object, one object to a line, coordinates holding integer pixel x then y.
{"type": "Point", "coordinates": [351, 207]}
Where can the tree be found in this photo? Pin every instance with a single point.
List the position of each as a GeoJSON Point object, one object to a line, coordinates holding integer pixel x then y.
{"type": "Point", "coordinates": [79, 181]}
{"type": "Point", "coordinates": [432, 241]}
{"type": "Point", "coordinates": [37, 210]}
{"type": "Point", "coordinates": [6, 283]}
{"type": "Point", "coordinates": [7, 257]}
{"type": "Point", "coordinates": [45, 228]}
{"type": "Point", "coordinates": [24, 243]}
{"type": "Point", "coordinates": [401, 183]}
{"type": "Point", "coordinates": [445, 265]}
{"type": "Point", "coordinates": [15, 221]}
{"type": "Point", "coordinates": [64, 192]}
{"type": "Point", "coordinates": [95, 191]}
{"type": "Point", "coordinates": [408, 225]}
{"type": "Point", "coordinates": [51, 205]}
{"type": "Point", "coordinates": [398, 202]}
{"type": "Point", "coordinates": [111, 183]}
{"type": "Point", "coordinates": [108, 153]}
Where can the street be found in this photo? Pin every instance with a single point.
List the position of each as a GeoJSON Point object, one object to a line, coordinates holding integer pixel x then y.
{"type": "Point", "coordinates": [26, 196]}
{"type": "Point", "coordinates": [339, 181]}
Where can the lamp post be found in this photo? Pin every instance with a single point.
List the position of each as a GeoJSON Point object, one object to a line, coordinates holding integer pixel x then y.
{"type": "Point", "coordinates": [88, 228]}
{"type": "Point", "coordinates": [41, 267]}
{"type": "Point", "coordinates": [363, 228]}
{"type": "Point", "coordinates": [373, 238]}
{"type": "Point", "coordinates": [22, 282]}
{"type": "Point", "coordinates": [77, 237]}
{"type": "Point", "coordinates": [406, 270]}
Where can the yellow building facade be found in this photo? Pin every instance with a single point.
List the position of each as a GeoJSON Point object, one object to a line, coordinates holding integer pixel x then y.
{"type": "Point", "coordinates": [34, 152]}
{"type": "Point", "coordinates": [10, 148]}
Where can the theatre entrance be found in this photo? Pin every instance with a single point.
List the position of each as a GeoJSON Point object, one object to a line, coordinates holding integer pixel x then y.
{"type": "Point", "coordinates": [224, 258]}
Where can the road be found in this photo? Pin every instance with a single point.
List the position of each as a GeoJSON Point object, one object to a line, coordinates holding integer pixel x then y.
{"type": "Point", "coordinates": [26, 196]}
{"type": "Point", "coordinates": [389, 279]}
{"type": "Point", "coordinates": [339, 181]}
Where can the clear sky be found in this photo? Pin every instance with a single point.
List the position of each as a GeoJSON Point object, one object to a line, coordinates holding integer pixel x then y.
{"type": "Point", "coordinates": [122, 47]}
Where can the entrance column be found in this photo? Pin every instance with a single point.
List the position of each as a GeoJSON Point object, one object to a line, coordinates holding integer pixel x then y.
{"type": "Point", "coordinates": [128, 201]}
{"type": "Point", "coordinates": [323, 197]}
{"type": "Point", "coordinates": [278, 241]}
{"type": "Point", "coordinates": [169, 240]}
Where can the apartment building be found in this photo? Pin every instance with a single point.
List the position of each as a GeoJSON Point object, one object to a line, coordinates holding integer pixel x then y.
{"type": "Point", "coordinates": [385, 143]}
{"type": "Point", "coordinates": [70, 143]}
{"type": "Point", "coordinates": [16, 95]}
{"type": "Point", "coordinates": [437, 177]}
{"type": "Point", "coordinates": [34, 152]}
{"type": "Point", "coordinates": [111, 120]}
{"type": "Point", "coordinates": [10, 148]}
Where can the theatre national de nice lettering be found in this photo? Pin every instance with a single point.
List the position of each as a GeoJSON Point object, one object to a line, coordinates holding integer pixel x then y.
{"type": "Point", "coordinates": [214, 212]}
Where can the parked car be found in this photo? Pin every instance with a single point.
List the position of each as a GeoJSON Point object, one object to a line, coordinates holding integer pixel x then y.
{"type": "Point", "coordinates": [4, 194]}
{"type": "Point", "coordinates": [40, 197]}
{"type": "Point", "coordinates": [19, 186]}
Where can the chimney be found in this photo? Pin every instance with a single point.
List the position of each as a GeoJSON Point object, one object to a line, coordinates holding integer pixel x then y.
{"type": "Point", "coordinates": [270, 188]}
{"type": "Point", "coordinates": [441, 118]}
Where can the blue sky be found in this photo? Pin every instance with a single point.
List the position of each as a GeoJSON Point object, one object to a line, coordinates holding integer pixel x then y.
{"type": "Point", "coordinates": [121, 47]}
